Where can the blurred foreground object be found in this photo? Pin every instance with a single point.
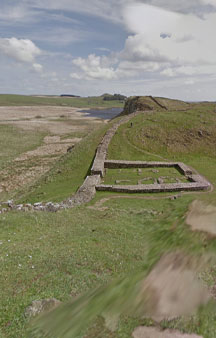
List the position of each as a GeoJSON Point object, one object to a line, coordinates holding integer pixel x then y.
{"type": "Point", "coordinates": [170, 290]}
{"type": "Point", "coordinates": [152, 332]}
{"type": "Point", "coordinates": [202, 217]}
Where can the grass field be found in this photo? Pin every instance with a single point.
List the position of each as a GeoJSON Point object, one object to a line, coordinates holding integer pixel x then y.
{"type": "Point", "coordinates": [142, 176]}
{"type": "Point", "coordinates": [90, 102]}
{"type": "Point", "coordinates": [15, 141]}
{"type": "Point", "coordinates": [68, 174]}
{"type": "Point", "coordinates": [45, 255]}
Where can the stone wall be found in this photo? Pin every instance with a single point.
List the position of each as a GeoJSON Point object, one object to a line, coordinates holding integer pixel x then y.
{"type": "Point", "coordinates": [92, 183]}
{"type": "Point", "coordinates": [84, 195]}
{"type": "Point", "coordinates": [118, 164]}
{"type": "Point", "coordinates": [153, 188]}
{"type": "Point", "coordinates": [158, 103]}
{"type": "Point", "coordinates": [102, 150]}
{"type": "Point", "coordinates": [195, 182]}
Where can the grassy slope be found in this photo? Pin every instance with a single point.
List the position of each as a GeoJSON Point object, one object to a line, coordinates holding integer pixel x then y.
{"type": "Point", "coordinates": [21, 100]}
{"type": "Point", "coordinates": [68, 174]}
{"type": "Point", "coordinates": [78, 249]}
{"type": "Point", "coordinates": [189, 137]}
{"type": "Point", "coordinates": [15, 141]}
{"type": "Point", "coordinates": [74, 250]}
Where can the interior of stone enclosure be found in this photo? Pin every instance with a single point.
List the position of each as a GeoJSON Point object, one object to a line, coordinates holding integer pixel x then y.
{"type": "Point", "coordinates": [134, 176]}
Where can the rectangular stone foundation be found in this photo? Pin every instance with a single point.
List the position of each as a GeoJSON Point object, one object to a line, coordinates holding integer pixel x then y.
{"type": "Point", "coordinates": [153, 188]}
{"type": "Point", "coordinates": [115, 164]}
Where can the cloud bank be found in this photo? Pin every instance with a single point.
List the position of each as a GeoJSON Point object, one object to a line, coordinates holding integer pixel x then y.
{"type": "Point", "coordinates": [162, 42]}
{"type": "Point", "coordinates": [21, 50]}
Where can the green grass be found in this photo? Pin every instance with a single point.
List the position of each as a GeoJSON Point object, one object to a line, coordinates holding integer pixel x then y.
{"type": "Point", "coordinates": [15, 141]}
{"type": "Point", "coordinates": [187, 137]}
{"type": "Point", "coordinates": [145, 176]}
{"type": "Point", "coordinates": [76, 250]}
{"type": "Point", "coordinates": [91, 102]}
{"type": "Point", "coordinates": [68, 174]}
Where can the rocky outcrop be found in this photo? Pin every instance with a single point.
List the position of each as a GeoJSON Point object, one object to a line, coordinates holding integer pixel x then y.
{"type": "Point", "coordinates": [134, 104]}
{"type": "Point", "coordinates": [143, 103]}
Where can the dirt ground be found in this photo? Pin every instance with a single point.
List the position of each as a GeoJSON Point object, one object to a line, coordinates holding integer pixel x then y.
{"type": "Point", "coordinates": [202, 217]}
{"type": "Point", "coordinates": [45, 118]}
{"type": "Point", "coordinates": [173, 289]}
{"type": "Point", "coordinates": [152, 332]}
{"type": "Point", "coordinates": [57, 122]}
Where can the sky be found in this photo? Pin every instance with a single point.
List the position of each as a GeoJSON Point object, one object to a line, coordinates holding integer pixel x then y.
{"type": "Point", "coordinates": [90, 47]}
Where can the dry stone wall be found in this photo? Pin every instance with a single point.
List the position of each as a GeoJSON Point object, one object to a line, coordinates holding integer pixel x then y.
{"type": "Point", "coordinates": [195, 182]}
{"type": "Point", "coordinates": [101, 153]}
{"type": "Point", "coordinates": [153, 188]}
{"type": "Point", "coordinates": [115, 164]}
{"type": "Point", "coordinates": [93, 182]}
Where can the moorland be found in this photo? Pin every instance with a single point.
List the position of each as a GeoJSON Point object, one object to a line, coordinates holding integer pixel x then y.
{"type": "Point", "coordinates": [62, 255]}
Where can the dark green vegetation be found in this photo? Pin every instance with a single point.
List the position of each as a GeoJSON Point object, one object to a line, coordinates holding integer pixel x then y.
{"type": "Point", "coordinates": [45, 255]}
{"type": "Point", "coordinates": [79, 102]}
{"type": "Point", "coordinates": [109, 97]}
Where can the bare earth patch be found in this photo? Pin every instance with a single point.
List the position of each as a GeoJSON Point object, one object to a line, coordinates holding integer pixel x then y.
{"type": "Point", "coordinates": [48, 118]}
{"type": "Point", "coordinates": [202, 217]}
{"type": "Point", "coordinates": [152, 332]}
{"type": "Point", "coordinates": [29, 166]}
{"type": "Point", "coordinates": [172, 288]}
{"type": "Point", "coordinates": [57, 121]}
{"type": "Point", "coordinates": [53, 146]}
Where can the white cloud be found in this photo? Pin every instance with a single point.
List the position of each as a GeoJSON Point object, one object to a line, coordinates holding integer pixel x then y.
{"type": "Point", "coordinates": [94, 67]}
{"type": "Point", "coordinates": [112, 10]}
{"type": "Point", "coordinates": [137, 48]}
{"type": "Point", "coordinates": [19, 49]}
{"type": "Point", "coordinates": [37, 67]}
{"type": "Point", "coordinates": [140, 19]}
{"type": "Point", "coordinates": [190, 42]}
{"type": "Point", "coordinates": [165, 47]}
{"type": "Point", "coordinates": [178, 46]}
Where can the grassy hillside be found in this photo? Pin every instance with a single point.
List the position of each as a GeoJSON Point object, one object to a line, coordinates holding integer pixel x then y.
{"type": "Point", "coordinates": [144, 103]}
{"type": "Point", "coordinates": [186, 136]}
{"type": "Point", "coordinates": [45, 255]}
{"type": "Point", "coordinates": [15, 141]}
{"type": "Point", "coordinates": [68, 174]}
{"type": "Point", "coordinates": [79, 102]}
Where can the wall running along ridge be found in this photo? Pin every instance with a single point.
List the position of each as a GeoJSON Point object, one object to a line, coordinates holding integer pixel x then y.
{"type": "Point", "coordinates": [88, 189]}
{"type": "Point", "coordinates": [92, 183]}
